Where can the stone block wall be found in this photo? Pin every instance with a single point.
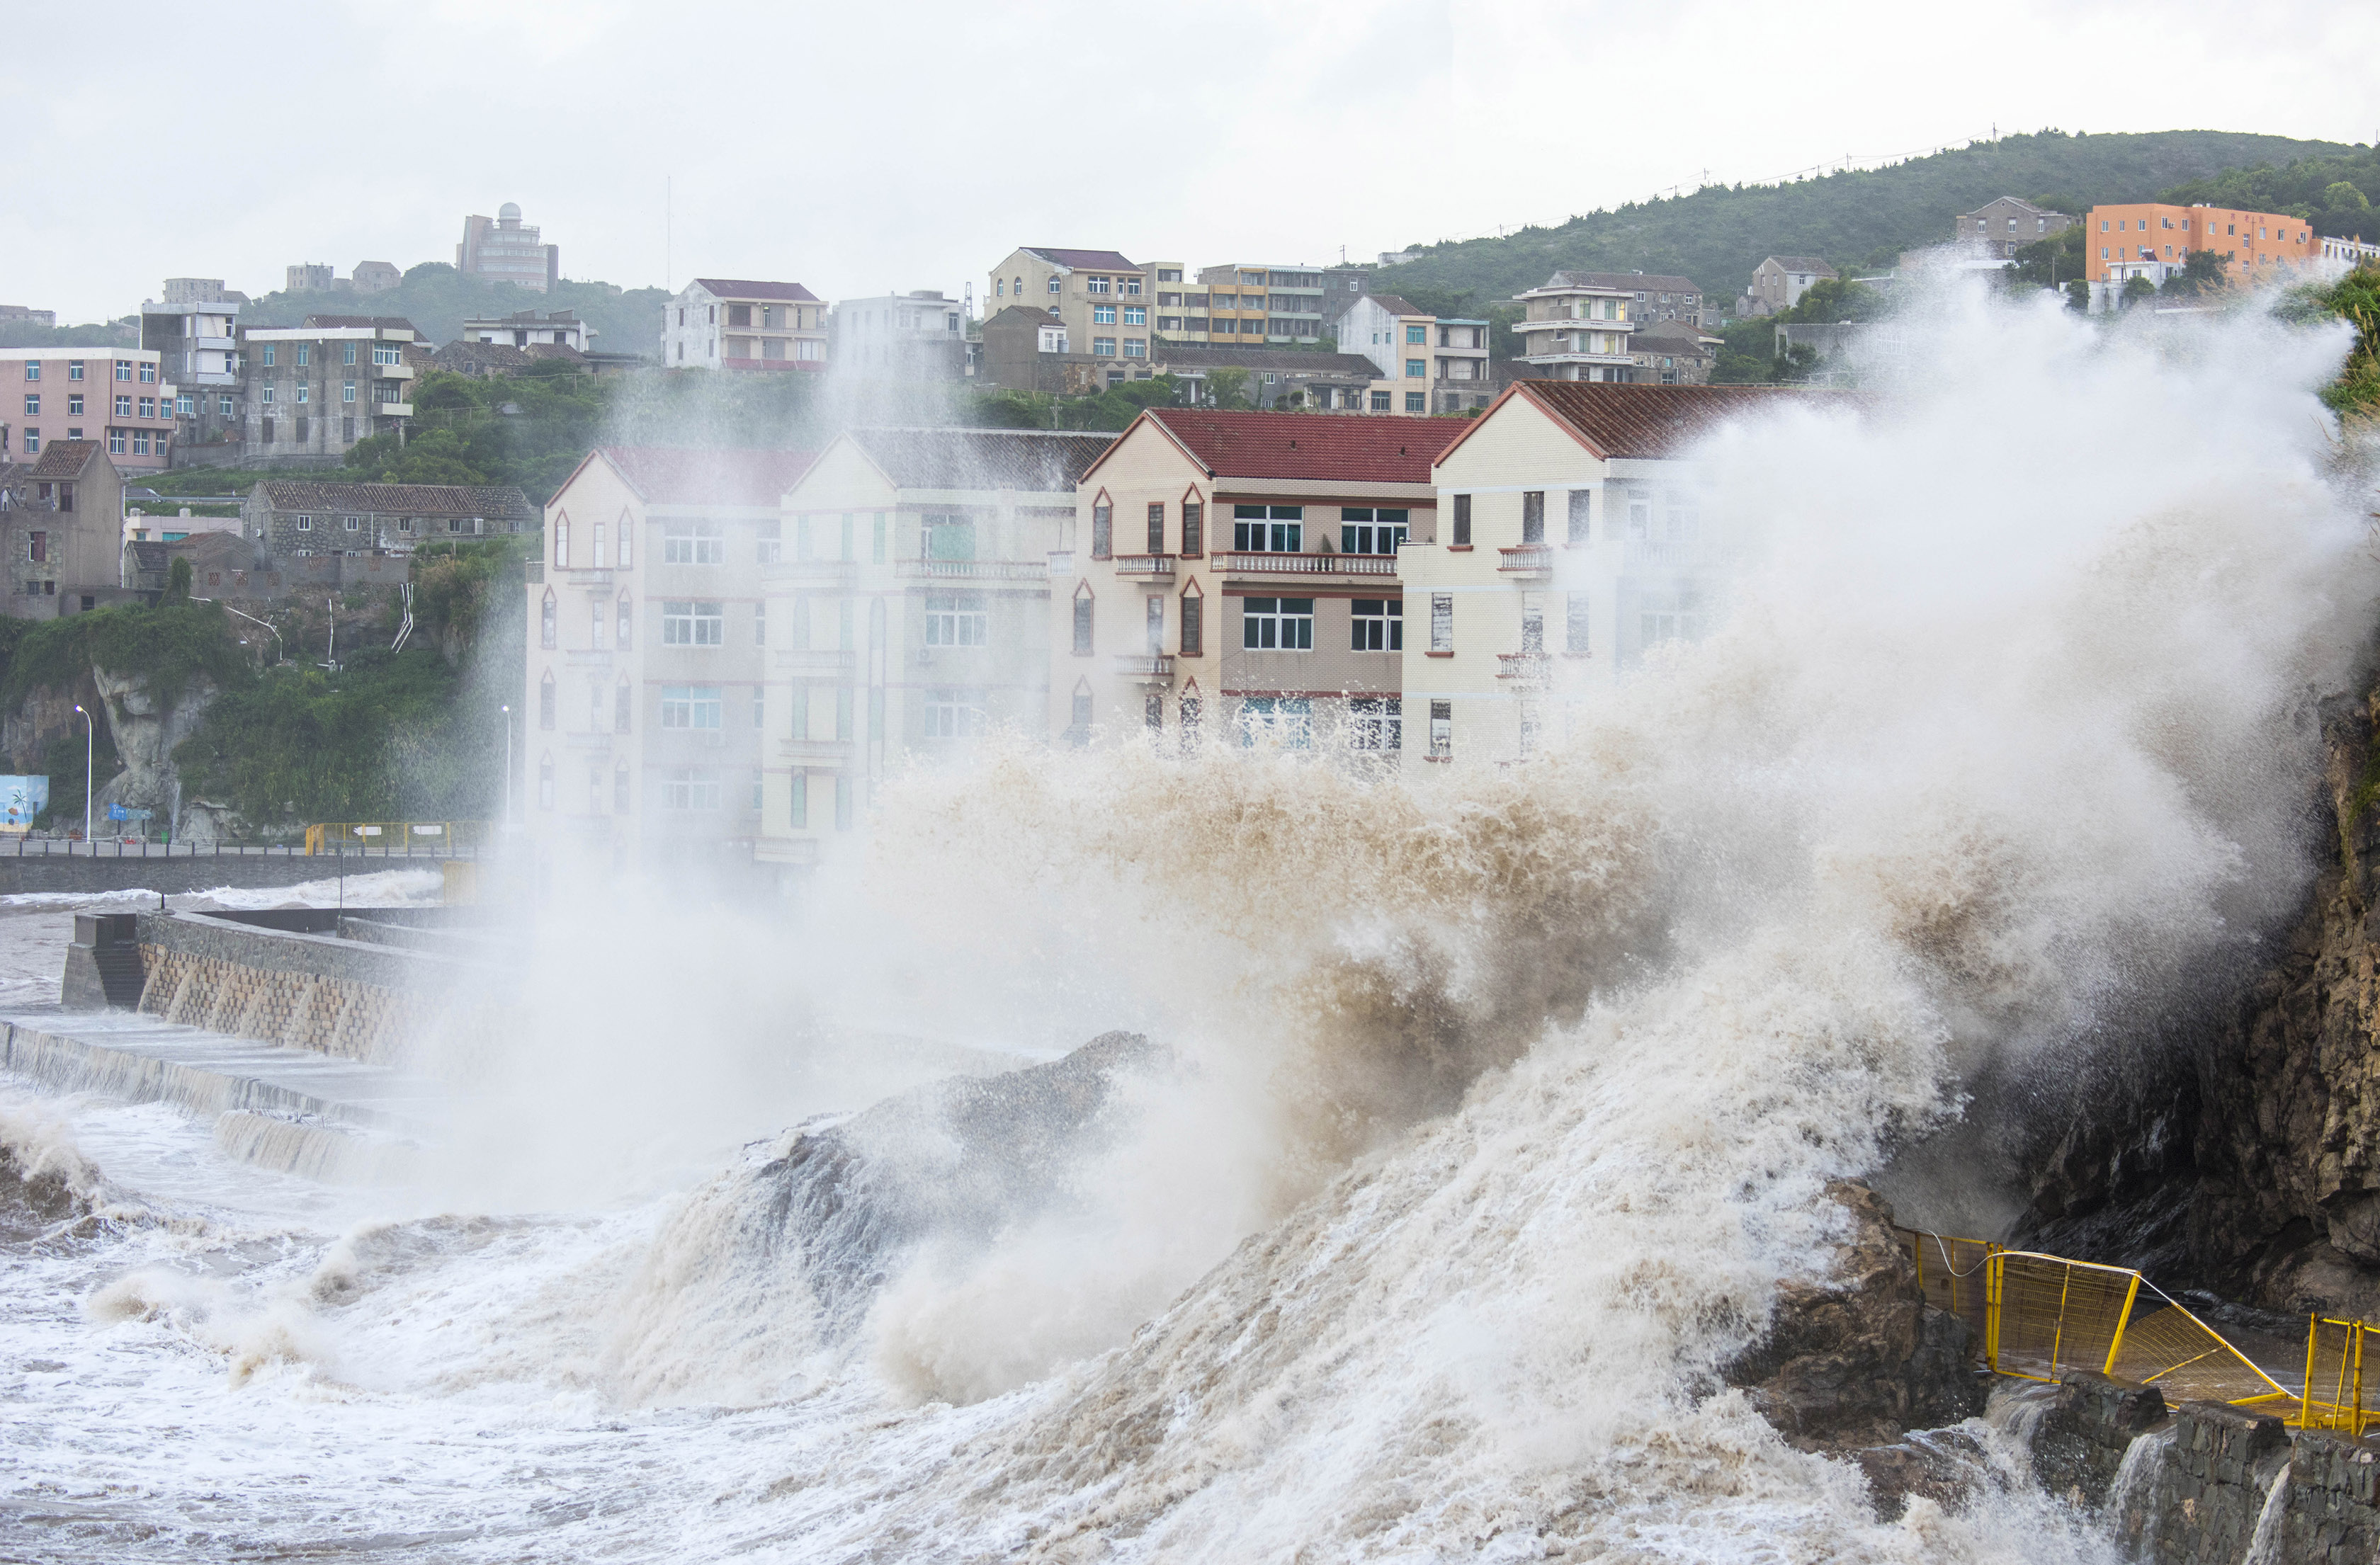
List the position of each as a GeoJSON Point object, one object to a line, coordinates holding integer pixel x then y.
{"type": "Point", "coordinates": [2084, 1437]}
{"type": "Point", "coordinates": [2210, 1487]}
{"type": "Point", "coordinates": [305, 990]}
{"type": "Point", "coordinates": [2334, 1512]}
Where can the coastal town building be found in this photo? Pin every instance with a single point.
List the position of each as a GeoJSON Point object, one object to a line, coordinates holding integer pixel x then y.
{"type": "Point", "coordinates": [60, 530]}
{"type": "Point", "coordinates": [1278, 378]}
{"type": "Point", "coordinates": [1271, 304]}
{"type": "Point", "coordinates": [1570, 543]}
{"type": "Point", "coordinates": [303, 517]}
{"type": "Point", "coordinates": [22, 315]}
{"type": "Point", "coordinates": [505, 249]}
{"type": "Point", "coordinates": [2001, 228]}
{"type": "Point", "coordinates": [742, 323]}
{"type": "Point", "coordinates": [912, 336]}
{"type": "Point", "coordinates": [309, 392]}
{"type": "Point", "coordinates": [1101, 297]}
{"type": "Point", "coordinates": [642, 727]}
{"type": "Point", "coordinates": [2153, 240]}
{"type": "Point", "coordinates": [527, 328]}
{"type": "Point", "coordinates": [1779, 282]}
{"type": "Point", "coordinates": [1438, 366]}
{"type": "Point", "coordinates": [122, 400]}
{"type": "Point", "coordinates": [1674, 353]}
{"type": "Point", "coordinates": [1240, 570]}
{"type": "Point", "coordinates": [1576, 331]}
{"type": "Point", "coordinates": [905, 614]}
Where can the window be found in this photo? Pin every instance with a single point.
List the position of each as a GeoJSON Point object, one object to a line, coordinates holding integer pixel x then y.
{"type": "Point", "coordinates": [1286, 720]}
{"type": "Point", "coordinates": [1157, 526]}
{"type": "Point", "coordinates": [1416, 334]}
{"type": "Point", "coordinates": [1281, 625]}
{"type": "Point", "coordinates": [32, 368]}
{"type": "Point", "coordinates": [222, 407]}
{"type": "Point", "coordinates": [769, 546]}
{"type": "Point", "coordinates": [1193, 622]}
{"type": "Point", "coordinates": [1381, 402]}
{"type": "Point", "coordinates": [1365, 530]}
{"type": "Point", "coordinates": [268, 393]}
{"type": "Point", "coordinates": [739, 315]}
{"type": "Point", "coordinates": [1193, 517]}
{"type": "Point", "coordinates": [760, 624]}
{"type": "Point", "coordinates": [74, 366]}
{"type": "Point", "coordinates": [1379, 624]}
{"type": "Point", "coordinates": [1441, 729]}
{"type": "Point", "coordinates": [385, 353]}
{"type": "Point", "coordinates": [956, 619]}
{"type": "Point", "coordinates": [1376, 722]}
{"type": "Point", "coordinates": [32, 441]}
{"type": "Point", "coordinates": [37, 546]}
{"type": "Point", "coordinates": [347, 353]}
{"type": "Point", "coordinates": [1053, 284]}
{"type": "Point", "coordinates": [562, 544]}
{"type": "Point", "coordinates": [693, 707]}
{"type": "Point", "coordinates": [1102, 532]}
{"type": "Point", "coordinates": [346, 391]}
{"type": "Point", "coordinates": [305, 393]}
{"type": "Point", "coordinates": [1268, 529]}
{"type": "Point", "coordinates": [124, 366]}
{"type": "Point", "coordinates": [545, 701]}
{"type": "Point", "coordinates": [1442, 622]}
{"type": "Point", "coordinates": [1135, 348]}
{"type": "Point", "coordinates": [351, 523]}
{"type": "Point", "coordinates": [1533, 625]}
{"type": "Point", "coordinates": [1578, 514]}
{"type": "Point", "coordinates": [621, 620]}
{"type": "Point", "coordinates": [1574, 627]}
{"type": "Point", "coordinates": [622, 700]}
{"type": "Point", "coordinates": [880, 531]}
{"type": "Point", "coordinates": [1098, 284]}
{"type": "Point", "coordinates": [124, 404]}
{"type": "Point", "coordinates": [545, 780]}
{"type": "Point", "coordinates": [620, 788]}
{"type": "Point", "coordinates": [693, 543]}
{"type": "Point", "coordinates": [693, 624]}
{"type": "Point", "coordinates": [690, 788]}
{"type": "Point", "coordinates": [1416, 369]}
{"type": "Point", "coordinates": [1461, 521]}
{"type": "Point", "coordinates": [1083, 620]}
{"type": "Point", "coordinates": [628, 529]}
{"type": "Point", "coordinates": [953, 714]}
{"type": "Point", "coordinates": [33, 404]}
{"type": "Point", "coordinates": [1673, 617]}
{"type": "Point", "coordinates": [1135, 315]}
{"type": "Point", "coordinates": [1153, 613]}
{"type": "Point", "coordinates": [1416, 401]}
{"type": "Point", "coordinates": [1533, 517]}
{"type": "Point", "coordinates": [1103, 315]}
{"type": "Point", "coordinates": [304, 524]}
{"type": "Point", "coordinates": [1103, 348]}
{"type": "Point", "coordinates": [1132, 287]}
{"type": "Point", "coordinates": [842, 799]}
{"type": "Point", "coordinates": [1640, 515]}
{"type": "Point", "coordinates": [947, 537]}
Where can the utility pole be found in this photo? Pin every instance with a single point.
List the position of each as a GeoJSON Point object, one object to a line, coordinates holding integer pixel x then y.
{"type": "Point", "coordinates": [86, 774]}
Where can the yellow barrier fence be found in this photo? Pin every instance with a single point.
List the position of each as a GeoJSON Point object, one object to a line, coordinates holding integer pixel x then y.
{"type": "Point", "coordinates": [2041, 1316]}
{"type": "Point", "coordinates": [434, 839]}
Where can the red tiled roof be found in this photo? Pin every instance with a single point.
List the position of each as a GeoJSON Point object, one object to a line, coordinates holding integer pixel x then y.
{"type": "Point", "coordinates": [1095, 260]}
{"type": "Point", "coordinates": [739, 289]}
{"type": "Point", "coordinates": [1036, 461]}
{"type": "Point", "coordinates": [63, 459]}
{"type": "Point", "coordinates": [1617, 419]}
{"type": "Point", "coordinates": [680, 476]}
{"type": "Point", "coordinates": [1308, 445]}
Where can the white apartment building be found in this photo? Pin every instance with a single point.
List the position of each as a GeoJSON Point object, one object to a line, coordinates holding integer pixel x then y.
{"type": "Point", "coordinates": [1440, 366]}
{"type": "Point", "coordinates": [1574, 330]}
{"type": "Point", "coordinates": [917, 336]}
{"type": "Point", "coordinates": [524, 327]}
{"type": "Point", "coordinates": [1571, 540]}
{"type": "Point", "coordinates": [738, 323]}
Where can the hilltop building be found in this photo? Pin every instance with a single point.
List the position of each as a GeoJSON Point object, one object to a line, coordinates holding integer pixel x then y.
{"type": "Point", "coordinates": [913, 337]}
{"type": "Point", "coordinates": [1653, 296]}
{"type": "Point", "coordinates": [1440, 366]}
{"type": "Point", "coordinates": [1099, 298]}
{"type": "Point", "coordinates": [2005, 226]}
{"type": "Point", "coordinates": [309, 392]}
{"type": "Point", "coordinates": [1572, 541]}
{"type": "Point", "coordinates": [302, 516]}
{"type": "Point", "coordinates": [1673, 353]}
{"type": "Point", "coordinates": [2152, 240]}
{"type": "Point", "coordinates": [526, 328]}
{"type": "Point", "coordinates": [507, 250]}
{"type": "Point", "coordinates": [60, 530]}
{"type": "Point", "coordinates": [736, 323]}
{"type": "Point", "coordinates": [19, 315]}
{"type": "Point", "coordinates": [1246, 560]}
{"type": "Point", "coordinates": [1576, 331]}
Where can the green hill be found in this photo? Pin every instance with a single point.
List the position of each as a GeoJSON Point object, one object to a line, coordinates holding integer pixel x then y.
{"type": "Point", "coordinates": [1719, 233]}
{"type": "Point", "coordinates": [438, 299]}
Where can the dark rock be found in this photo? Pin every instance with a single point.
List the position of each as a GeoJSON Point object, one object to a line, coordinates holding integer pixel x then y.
{"type": "Point", "coordinates": [1946, 1466]}
{"type": "Point", "coordinates": [1858, 1358]}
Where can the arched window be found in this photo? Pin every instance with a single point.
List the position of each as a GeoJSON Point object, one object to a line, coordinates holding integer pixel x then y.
{"type": "Point", "coordinates": [1194, 621]}
{"type": "Point", "coordinates": [1193, 711]}
{"type": "Point", "coordinates": [594, 787]}
{"type": "Point", "coordinates": [876, 625]}
{"type": "Point", "coordinates": [545, 780]}
{"type": "Point", "coordinates": [548, 626]}
{"type": "Point", "coordinates": [620, 789]}
{"type": "Point", "coordinates": [562, 541]}
{"type": "Point", "coordinates": [1082, 619]}
{"type": "Point", "coordinates": [1054, 282]}
{"type": "Point", "coordinates": [629, 532]}
{"type": "Point", "coordinates": [627, 620]}
{"type": "Point", "coordinates": [1193, 525]}
{"type": "Point", "coordinates": [621, 700]}
{"type": "Point", "coordinates": [1102, 527]}
{"type": "Point", "coordinates": [595, 704]}
{"type": "Point", "coordinates": [1079, 727]}
{"type": "Point", "coordinates": [545, 698]}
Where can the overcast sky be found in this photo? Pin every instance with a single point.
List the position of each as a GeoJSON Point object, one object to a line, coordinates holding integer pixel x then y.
{"type": "Point", "coordinates": [866, 148]}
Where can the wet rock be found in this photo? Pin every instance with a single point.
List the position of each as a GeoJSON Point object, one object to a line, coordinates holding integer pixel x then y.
{"type": "Point", "coordinates": [1946, 1466]}
{"type": "Point", "coordinates": [1858, 1358]}
{"type": "Point", "coordinates": [2082, 1439]}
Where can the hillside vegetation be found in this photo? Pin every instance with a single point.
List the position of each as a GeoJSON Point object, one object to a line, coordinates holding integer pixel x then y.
{"type": "Point", "coordinates": [1719, 233]}
{"type": "Point", "coordinates": [438, 299]}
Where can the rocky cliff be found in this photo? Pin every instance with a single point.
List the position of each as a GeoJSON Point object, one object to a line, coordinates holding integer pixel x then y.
{"type": "Point", "coordinates": [146, 730]}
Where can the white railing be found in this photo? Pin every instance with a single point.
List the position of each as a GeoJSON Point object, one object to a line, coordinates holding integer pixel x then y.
{"type": "Point", "coordinates": [1527, 557]}
{"type": "Point", "coordinates": [1532, 667]}
{"type": "Point", "coordinates": [1144, 665]}
{"type": "Point", "coordinates": [828, 663]}
{"type": "Point", "coordinates": [973, 570]}
{"type": "Point", "coordinates": [1306, 565]}
{"type": "Point", "coordinates": [1144, 564]}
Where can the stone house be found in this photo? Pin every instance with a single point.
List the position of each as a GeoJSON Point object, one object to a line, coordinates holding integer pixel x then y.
{"type": "Point", "coordinates": [302, 516]}
{"type": "Point", "coordinates": [2006, 226]}
{"type": "Point", "coordinates": [1674, 353]}
{"type": "Point", "coordinates": [309, 392]}
{"type": "Point", "coordinates": [61, 526]}
{"type": "Point", "coordinates": [1779, 282]}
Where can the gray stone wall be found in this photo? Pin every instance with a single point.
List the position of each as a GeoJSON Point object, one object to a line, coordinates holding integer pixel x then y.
{"type": "Point", "coordinates": [2082, 1439]}
{"type": "Point", "coordinates": [180, 872]}
{"type": "Point", "coordinates": [2334, 1513]}
{"type": "Point", "coordinates": [2210, 1487]}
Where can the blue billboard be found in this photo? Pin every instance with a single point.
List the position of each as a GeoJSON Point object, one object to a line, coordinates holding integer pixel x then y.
{"type": "Point", "coordinates": [21, 798]}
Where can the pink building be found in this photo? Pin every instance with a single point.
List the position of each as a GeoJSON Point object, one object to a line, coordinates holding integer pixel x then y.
{"type": "Point", "coordinates": [116, 397]}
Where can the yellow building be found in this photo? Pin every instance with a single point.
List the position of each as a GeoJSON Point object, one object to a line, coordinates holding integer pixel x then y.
{"type": "Point", "coordinates": [1571, 540]}
{"type": "Point", "coordinates": [1242, 569]}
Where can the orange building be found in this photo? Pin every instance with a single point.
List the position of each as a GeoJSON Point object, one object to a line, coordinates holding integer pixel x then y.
{"type": "Point", "coordinates": [2152, 240]}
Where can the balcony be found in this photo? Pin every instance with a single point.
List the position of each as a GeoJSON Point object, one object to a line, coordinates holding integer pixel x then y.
{"type": "Point", "coordinates": [1529, 559]}
{"type": "Point", "coordinates": [971, 570]}
{"type": "Point", "coordinates": [587, 657]}
{"type": "Point", "coordinates": [1154, 667]}
{"type": "Point", "coordinates": [1644, 555]}
{"type": "Point", "coordinates": [392, 409]}
{"type": "Point", "coordinates": [1154, 567]}
{"type": "Point", "coordinates": [832, 753]}
{"type": "Point", "coordinates": [804, 663]}
{"type": "Point", "coordinates": [597, 742]}
{"type": "Point", "coordinates": [582, 575]}
{"type": "Point", "coordinates": [1306, 565]}
{"type": "Point", "coordinates": [1528, 668]}
{"type": "Point", "coordinates": [392, 372]}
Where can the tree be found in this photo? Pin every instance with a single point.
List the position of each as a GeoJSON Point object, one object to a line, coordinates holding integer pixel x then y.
{"type": "Point", "coordinates": [2202, 273]}
{"type": "Point", "coordinates": [2136, 288]}
{"type": "Point", "coordinates": [1227, 387]}
{"type": "Point", "coordinates": [177, 580]}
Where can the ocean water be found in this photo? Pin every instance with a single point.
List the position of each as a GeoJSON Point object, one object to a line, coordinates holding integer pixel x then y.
{"type": "Point", "coordinates": [1489, 1107]}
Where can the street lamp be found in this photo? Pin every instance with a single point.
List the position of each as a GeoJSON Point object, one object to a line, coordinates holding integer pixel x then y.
{"type": "Point", "coordinates": [86, 773]}
{"type": "Point", "coordinates": [508, 767]}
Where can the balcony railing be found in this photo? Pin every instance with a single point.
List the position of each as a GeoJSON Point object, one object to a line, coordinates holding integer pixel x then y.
{"type": "Point", "coordinates": [596, 740]}
{"type": "Point", "coordinates": [394, 409]}
{"type": "Point", "coordinates": [1144, 665]}
{"type": "Point", "coordinates": [808, 570]}
{"type": "Point", "coordinates": [1306, 565]}
{"type": "Point", "coordinates": [1529, 559]}
{"type": "Point", "coordinates": [392, 372]}
{"type": "Point", "coordinates": [588, 656]}
{"type": "Point", "coordinates": [1533, 668]}
{"type": "Point", "coordinates": [972, 570]}
{"type": "Point", "coordinates": [1646, 554]}
{"type": "Point", "coordinates": [1145, 565]}
{"type": "Point", "coordinates": [817, 752]}
{"type": "Point", "coordinates": [831, 664]}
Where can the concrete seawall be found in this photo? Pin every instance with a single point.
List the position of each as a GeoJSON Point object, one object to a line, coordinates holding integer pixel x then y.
{"type": "Point", "coordinates": [184, 872]}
